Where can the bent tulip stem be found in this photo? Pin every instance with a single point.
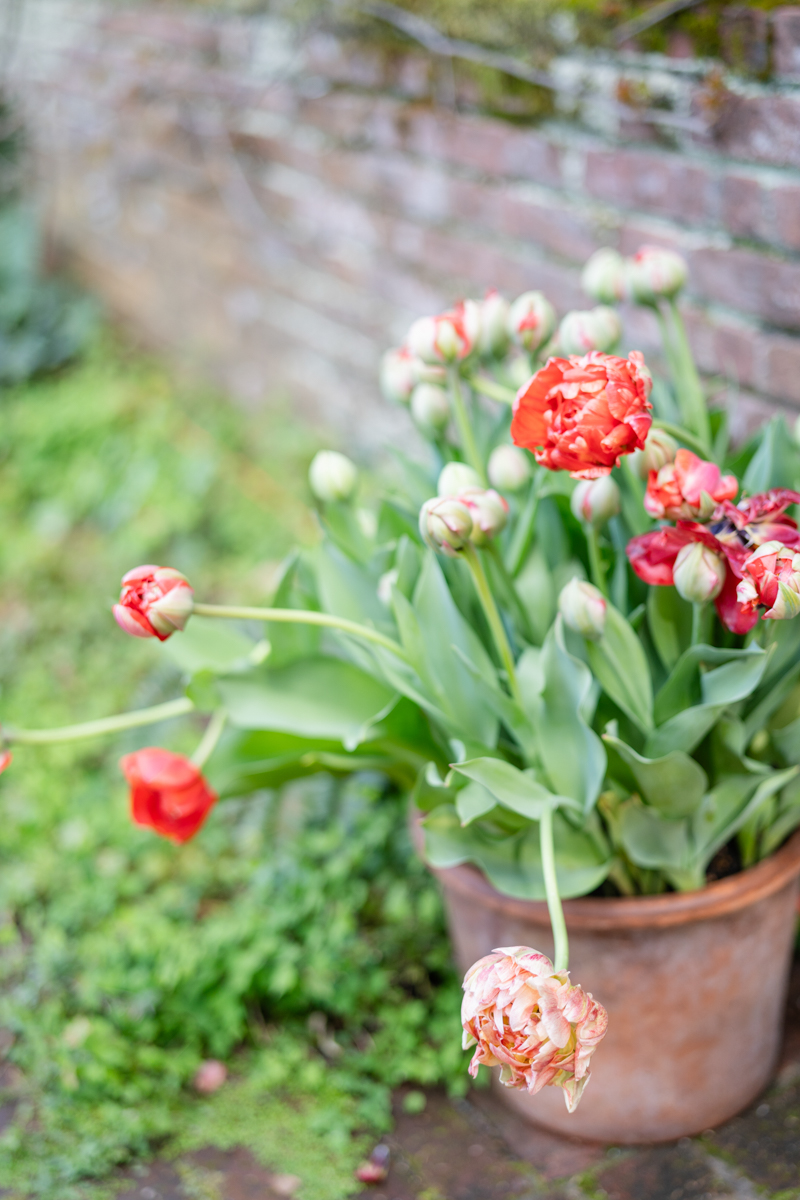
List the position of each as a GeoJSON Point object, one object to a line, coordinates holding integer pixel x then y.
{"type": "Point", "coordinates": [300, 616]}
{"type": "Point", "coordinates": [596, 561]}
{"type": "Point", "coordinates": [209, 740]}
{"type": "Point", "coordinates": [464, 425]}
{"type": "Point", "coordinates": [493, 617]}
{"type": "Point", "coordinates": [495, 391]}
{"type": "Point", "coordinates": [105, 725]}
{"type": "Point", "coordinates": [683, 435]}
{"type": "Point", "coordinates": [559, 925]}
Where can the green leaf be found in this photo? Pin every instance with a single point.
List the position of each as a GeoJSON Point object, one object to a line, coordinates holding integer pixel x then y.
{"type": "Point", "coordinates": [314, 697]}
{"type": "Point", "coordinates": [472, 802]}
{"type": "Point", "coordinates": [732, 808]}
{"type": "Point", "coordinates": [787, 740]}
{"type": "Point", "coordinates": [684, 731]}
{"type": "Point", "coordinates": [674, 784]}
{"type": "Point", "coordinates": [207, 644]}
{"type": "Point", "coordinates": [537, 591]}
{"type": "Point", "coordinates": [514, 789]}
{"type": "Point", "coordinates": [774, 463]}
{"type": "Point", "coordinates": [651, 840]}
{"type": "Point", "coordinates": [348, 589]}
{"type": "Point", "coordinates": [619, 664]}
{"type": "Point", "coordinates": [669, 619]}
{"type": "Point", "coordinates": [689, 685]}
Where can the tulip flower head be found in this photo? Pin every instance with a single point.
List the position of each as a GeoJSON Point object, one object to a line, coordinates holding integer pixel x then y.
{"type": "Point", "coordinates": [168, 793]}
{"type": "Point", "coordinates": [598, 329]}
{"type": "Point", "coordinates": [430, 407]}
{"type": "Point", "coordinates": [529, 1020]}
{"type": "Point", "coordinates": [446, 525]}
{"type": "Point", "coordinates": [531, 320]}
{"type": "Point", "coordinates": [509, 468]}
{"type": "Point", "coordinates": [582, 414]}
{"type": "Point", "coordinates": [397, 375]}
{"type": "Point", "coordinates": [489, 512]}
{"type": "Point", "coordinates": [332, 476]}
{"type": "Point", "coordinates": [654, 274]}
{"type": "Point", "coordinates": [698, 573]}
{"type": "Point", "coordinates": [772, 580]}
{"type": "Point", "coordinates": [447, 338]}
{"type": "Point", "coordinates": [604, 276]}
{"type": "Point", "coordinates": [583, 608]}
{"type": "Point", "coordinates": [595, 501]}
{"type": "Point", "coordinates": [660, 448]}
{"type": "Point", "coordinates": [494, 336]}
{"type": "Point", "coordinates": [456, 477]}
{"type": "Point", "coordinates": [688, 489]}
{"type": "Point", "coordinates": [210, 1076]}
{"type": "Point", "coordinates": [5, 760]}
{"type": "Point", "coordinates": [154, 602]}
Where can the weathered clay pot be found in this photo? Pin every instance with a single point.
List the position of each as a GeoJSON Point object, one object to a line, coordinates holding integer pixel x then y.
{"type": "Point", "coordinates": [694, 983]}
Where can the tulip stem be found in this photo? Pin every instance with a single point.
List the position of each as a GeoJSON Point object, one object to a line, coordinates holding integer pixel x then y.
{"type": "Point", "coordinates": [523, 531]}
{"type": "Point", "coordinates": [698, 614]}
{"type": "Point", "coordinates": [74, 733]}
{"type": "Point", "coordinates": [510, 589]}
{"type": "Point", "coordinates": [300, 616]}
{"type": "Point", "coordinates": [495, 391]}
{"type": "Point", "coordinates": [595, 560]}
{"type": "Point", "coordinates": [559, 925]}
{"type": "Point", "coordinates": [677, 431]}
{"type": "Point", "coordinates": [493, 617]}
{"type": "Point", "coordinates": [209, 740]}
{"type": "Point", "coordinates": [464, 425]}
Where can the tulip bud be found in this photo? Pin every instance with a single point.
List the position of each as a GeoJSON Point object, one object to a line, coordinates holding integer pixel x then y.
{"type": "Point", "coordinates": [509, 468]}
{"type": "Point", "coordinates": [603, 277]}
{"type": "Point", "coordinates": [397, 375]}
{"type": "Point", "coordinates": [698, 573]}
{"type": "Point", "coordinates": [154, 602]}
{"type": "Point", "coordinates": [598, 329]}
{"type": "Point", "coordinates": [446, 338]}
{"type": "Point", "coordinates": [445, 524]}
{"type": "Point", "coordinates": [489, 513]}
{"type": "Point", "coordinates": [332, 476]}
{"type": "Point", "coordinates": [493, 340]}
{"type": "Point", "coordinates": [430, 407]}
{"type": "Point", "coordinates": [531, 320]}
{"type": "Point", "coordinates": [427, 373]}
{"type": "Point", "coordinates": [583, 608]}
{"type": "Point", "coordinates": [654, 274]}
{"type": "Point", "coordinates": [659, 449]}
{"type": "Point", "coordinates": [455, 478]}
{"type": "Point", "coordinates": [385, 584]}
{"type": "Point", "coordinates": [595, 500]}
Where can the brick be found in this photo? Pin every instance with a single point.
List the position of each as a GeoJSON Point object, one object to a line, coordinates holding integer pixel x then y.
{"type": "Point", "coordinates": [744, 33]}
{"type": "Point", "coordinates": [657, 183]}
{"type": "Point", "coordinates": [786, 42]}
{"type": "Point", "coordinates": [781, 371]}
{"type": "Point", "coordinates": [742, 205]}
{"type": "Point", "coordinates": [786, 206]}
{"type": "Point", "coordinates": [566, 232]}
{"type": "Point", "coordinates": [753, 283]}
{"type": "Point", "coordinates": [761, 129]}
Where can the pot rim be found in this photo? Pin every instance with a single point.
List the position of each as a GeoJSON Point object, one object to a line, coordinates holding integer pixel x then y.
{"type": "Point", "coordinates": [609, 913]}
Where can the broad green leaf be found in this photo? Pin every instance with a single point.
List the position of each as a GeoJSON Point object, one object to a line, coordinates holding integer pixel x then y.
{"type": "Point", "coordinates": [688, 685]}
{"type": "Point", "coordinates": [733, 808]}
{"type": "Point", "coordinates": [208, 644]}
{"type": "Point", "coordinates": [651, 840]}
{"type": "Point", "coordinates": [774, 463]}
{"type": "Point", "coordinates": [787, 820]}
{"type": "Point", "coordinates": [669, 619]}
{"type": "Point", "coordinates": [684, 731]}
{"type": "Point", "coordinates": [348, 589]}
{"type": "Point", "coordinates": [736, 680]}
{"type": "Point", "coordinates": [295, 590]}
{"type": "Point", "coordinates": [674, 784]}
{"type": "Point", "coordinates": [619, 664]}
{"type": "Point", "coordinates": [537, 591]}
{"type": "Point", "coordinates": [473, 801]}
{"type": "Point", "coordinates": [314, 697]}
{"type": "Point", "coordinates": [514, 789]}
{"type": "Point", "coordinates": [254, 759]}
{"type": "Point", "coordinates": [787, 741]}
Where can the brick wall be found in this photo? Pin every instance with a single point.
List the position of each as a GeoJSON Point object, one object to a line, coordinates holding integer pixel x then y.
{"type": "Point", "coordinates": [277, 206]}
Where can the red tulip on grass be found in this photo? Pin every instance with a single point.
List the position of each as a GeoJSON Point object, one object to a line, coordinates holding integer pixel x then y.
{"type": "Point", "coordinates": [168, 792]}
{"type": "Point", "coordinates": [582, 414]}
{"type": "Point", "coordinates": [154, 602]}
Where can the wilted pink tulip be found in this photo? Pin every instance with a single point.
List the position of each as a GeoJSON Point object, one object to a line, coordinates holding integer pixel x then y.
{"type": "Point", "coordinates": [526, 1018]}
{"type": "Point", "coordinates": [210, 1076]}
{"type": "Point", "coordinates": [154, 602]}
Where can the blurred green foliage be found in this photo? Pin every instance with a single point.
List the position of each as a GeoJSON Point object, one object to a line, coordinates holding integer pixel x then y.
{"type": "Point", "coordinates": [296, 937]}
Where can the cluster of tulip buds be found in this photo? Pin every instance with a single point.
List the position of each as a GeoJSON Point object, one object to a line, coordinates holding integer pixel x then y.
{"type": "Point", "coordinates": [463, 513]}
{"type": "Point", "coordinates": [650, 275]}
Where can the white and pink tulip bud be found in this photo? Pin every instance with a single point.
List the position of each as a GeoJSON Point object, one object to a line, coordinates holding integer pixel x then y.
{"type": "Point", "coordinates": [397, 375]}
{"type": "Point", "coordinates": [525, 1017]}
{"type": "Point", "coordinates": [154, 602]}
{"type": "Point", "coordinates": [654, 274]}
{"type": "Point", "coordinates": [583, 608]}
{"type": "Point", "coordinates": [596, 329]}
{"type": "Point", "coordinates": [659, 450]}
{"type": "Point", "coordinates": [489, 512]}
{"type": "Point", "coordinates": [430, 408]}
{"type": "Point", "coordinates": [509, 468]}
{"type": "Point", "coordinates": [332, 477]}
{"type": "Point", "coordinates": [604, 276]}
{"type": "Point", "coordinates": [698, 573]}
{"type": "Point", "coordinates": [595, 501]}
{"type": "Point", "coordinates": [445, 524]}
{"type": "Point", "coordinates": [494, 336]}
{"type": "Point", "coordinates": [531, 320]}
{"type": "Point", "coordinates": [456, 477]}
{"type": "Point", "coordinates": [446, 338]}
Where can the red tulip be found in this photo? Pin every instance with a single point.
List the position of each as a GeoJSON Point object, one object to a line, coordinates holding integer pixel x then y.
{"type": "Point", "coordinates": [772, 579]}
{"type": "Point", "coordinates": [5, 760]}
{"type": "Point", "coordinates": [582, 414]}
{"type": "Point", "coordinates": [168, 793]}
{"type": "Point", "coordinates": [688, 489]}
{"type": "Point", "coordinates": [154, 602]}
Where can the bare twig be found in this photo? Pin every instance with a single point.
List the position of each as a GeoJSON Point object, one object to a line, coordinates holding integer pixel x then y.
{"type": "Point", "coordinates": [654, 16]}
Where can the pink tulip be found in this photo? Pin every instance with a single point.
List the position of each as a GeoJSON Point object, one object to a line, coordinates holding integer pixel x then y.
{"type": "Point", "coordinates": [688, 489]}
{"type": "Point", "coordinates": [526, 1018]}
{"type": "Point", "coordinates": [154, 602]}
{"type": "Point", "coordinates": [210, 1076]}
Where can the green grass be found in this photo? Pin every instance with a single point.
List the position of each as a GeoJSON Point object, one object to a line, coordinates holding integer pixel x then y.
{"type": "Point", "coordinates": [291, 920]}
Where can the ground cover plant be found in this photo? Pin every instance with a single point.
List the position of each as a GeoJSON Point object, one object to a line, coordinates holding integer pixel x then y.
{"type": "Point", "coordinates": [308, 953]}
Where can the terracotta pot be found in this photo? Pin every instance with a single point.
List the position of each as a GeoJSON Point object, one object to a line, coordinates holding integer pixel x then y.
{"type": "Point", "coordinates": [694, 983]}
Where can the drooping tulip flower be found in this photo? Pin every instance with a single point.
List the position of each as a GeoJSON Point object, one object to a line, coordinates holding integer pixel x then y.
{"type": "Point", "coordinates": [654, 274]}
{"type": "Point", "coordinates": [494, 336]}
{"type": "Point", "coordinates": [603, 277]}
{"type": "Point", "coordinates": [771, 579]}
{"type": "Point", "coordinates": [582, 414]}
{"type": "Point", "coordinates": [698, 573]}
{"type": "Point", "coordinates": [688, 489]}
{"type": "Point", "coordinates": [430, 407]}
{"type": "Point", "coordinates": [5, 760]}
{"type": "Point", "coordinates": [154, 602]}
{"type": "Point", "coordinates": [660, 448]}
{"type": "Point", "coordinates": [448, 337]}
{"type": "Point", "coordinates": [597, 329]}
{"type": "Point", "coordinates": [397, 375]}
{"type": "Point", "coordinates": [332, 476]}
{"type": "Point", "coordinates": [167, 792]}
{"type": "Point", "coordinates": [455, 477]}
{"type": "Point", "coordinates": [489, 512]}
{"type": "Point", "coordinates": [583, 608]}
{"type": "Point", "coordinates": [529, 1020]}
{"type": "Point", "coordinates": [445, 524]}
{"type": "Point", "coordinates": [531, 320]}
{"type": "Point", "coordinates": [509, 468]}
{"type": "Point", "coordinates": [595, 501]}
